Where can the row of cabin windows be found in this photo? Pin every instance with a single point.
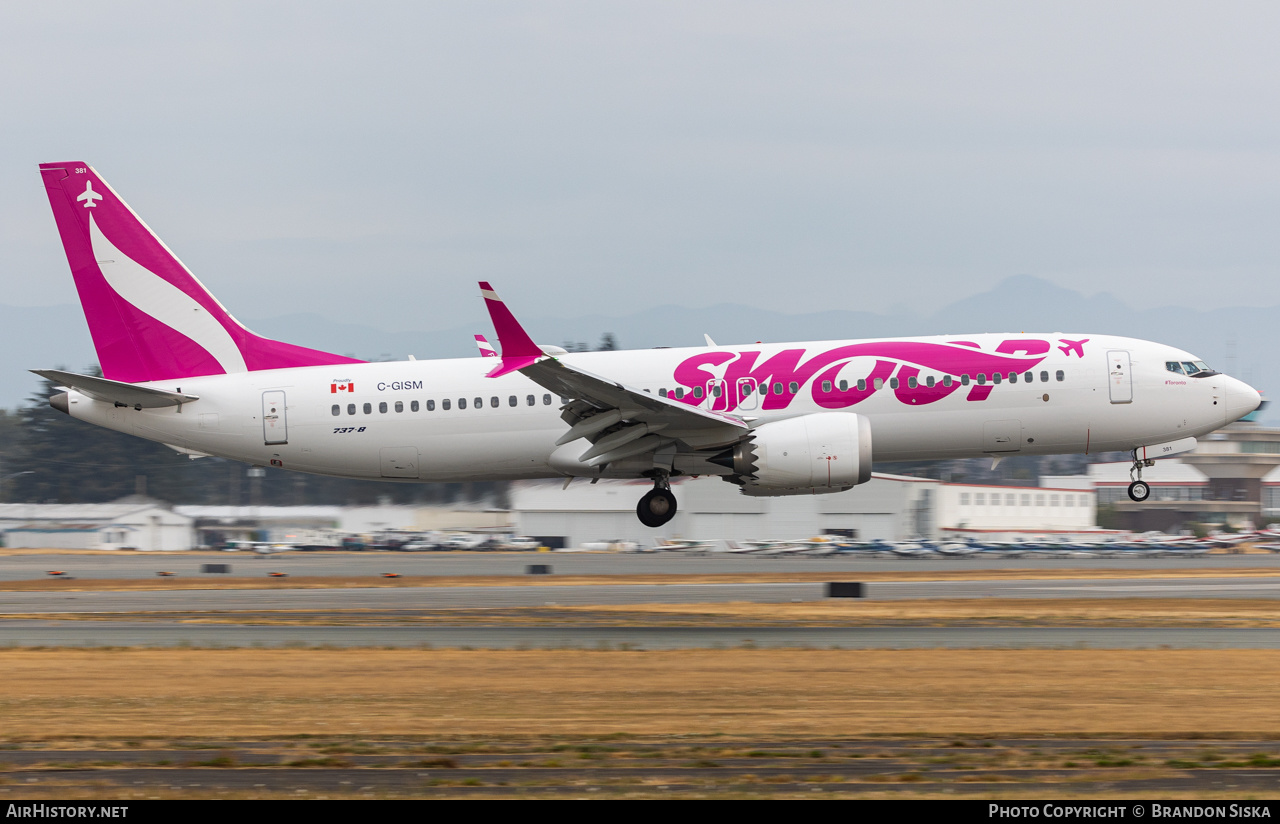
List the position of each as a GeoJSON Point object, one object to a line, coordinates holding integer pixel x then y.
{"type": "Point", "coordinates": [980, 499]}
{"type": "Point", "coordinates": [445, 404]}
{"type": "Point", "coordinates": [792, 388]}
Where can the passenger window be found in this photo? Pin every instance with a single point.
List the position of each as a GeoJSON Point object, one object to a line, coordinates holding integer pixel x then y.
{"type": "Point", "coordinates": [982, 379]}
{"type": "Point", "coordinates": [879, 383]}
{"type": "Point", "coordinates": [717, 390]}
{"type": "Point", "coordinates": [929, 381]}
{"type": "Point", "coordinates": [1013, 377]}
{"type": "Point", "coordinates": [794, 387]}
{"type": "Point", "coordinates": [337, 410]}
{"type": "Point", "coordinates": [368, 409]}
{"type": "Point", "coordinates": [1061, 376]}
{"type": "Point", "coordinates": [1029, 377]}
{"type": "Point", "coordinates": [697, 391]}
{"type": "Point", "coordinates": [513, 401]}
{"type": "Point", "coordinates": [777, 389]}
{"type": "Point", "coordinates": [351, 409]}
{"type": "Point", "coordinates": [493, 401]}
{"type": "Point", "coordinates": [826, 386]}
{"type": "Point", "coordinates": [462, 403]}
{"type": "Point", "coordinates": [946, 380]}
{"type": "Point", "coordinates": [445, 404]}
{"type": "Point", "coordinates": [893, 383]}
{"type": "Point", "coordinates": [912, 383]}
{"type": "Point", "coordinates": [399, 406]}
{"type": "Point", "coordinates": [844, 386]}
{"type": "Point", "coordinates": [382, 407]}
{"type": "Point", "coordinates": [964, 380]}
{"type": "Point", "coordinates": [995, 378]}
{"type": "Point", "coordinates": [530, 400]}
{"type": "Point", "coordinates": [1044, 377]}
{"type": "Point", "coordinates": [546, 400]}
{"type": "Point", "coordinates": [679, 392]}
{"type": "Point", "coordinates": [862, 384]}
{"type": "Point", "coordinates": [413, 406]}
{"type": "Point", "coordinates": [662, 393]}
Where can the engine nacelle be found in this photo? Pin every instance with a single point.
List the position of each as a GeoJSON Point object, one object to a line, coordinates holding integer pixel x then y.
{"type": "Point", "coordinates": [811, 454]}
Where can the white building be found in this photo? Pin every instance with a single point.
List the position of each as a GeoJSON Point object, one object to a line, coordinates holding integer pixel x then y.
{"type": "Point", "coordinates": [889, 507]}
{"type": "Point", "coordinates": [139, 525]}
{"type": "Point", "coordinates": [1001, 512]}
{"type": "Point", "coordinates": [327, 525]}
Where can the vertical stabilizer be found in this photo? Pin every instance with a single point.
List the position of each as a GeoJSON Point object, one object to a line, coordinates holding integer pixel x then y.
{"type": "Point", "coordinates": [150, 318]}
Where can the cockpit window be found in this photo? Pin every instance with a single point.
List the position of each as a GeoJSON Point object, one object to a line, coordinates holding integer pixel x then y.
{"type": "Point", "coordinates": [1195, 369]}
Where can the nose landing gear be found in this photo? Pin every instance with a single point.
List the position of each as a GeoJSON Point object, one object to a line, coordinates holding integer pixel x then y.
{"type": "Point", "coordinates": [1139, 490]}
{"type": "Point", "coordinates": [658, 506]}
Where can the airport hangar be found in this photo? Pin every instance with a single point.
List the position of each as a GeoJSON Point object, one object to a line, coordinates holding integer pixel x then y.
{"type": "Point", "coordinates": [888, 507]}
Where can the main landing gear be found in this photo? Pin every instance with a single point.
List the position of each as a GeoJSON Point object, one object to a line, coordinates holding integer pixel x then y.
{"type": "Point", "coordinates": [1138, 489]}
{"type": "Point", "coordinates": [658, 504]}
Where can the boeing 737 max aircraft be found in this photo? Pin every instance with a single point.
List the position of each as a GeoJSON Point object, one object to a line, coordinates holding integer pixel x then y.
{"type": "Point", "coordinates": [775, 419]}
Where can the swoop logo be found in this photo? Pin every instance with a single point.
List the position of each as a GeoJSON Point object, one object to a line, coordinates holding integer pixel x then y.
{"type": "Point", "coordinates": [871, 362]}
{"type": "Point", "coordinates": [342, 386]}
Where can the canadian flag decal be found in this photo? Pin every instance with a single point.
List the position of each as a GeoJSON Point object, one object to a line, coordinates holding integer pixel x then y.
{"type": "Point", "coordinates": [342, 386]}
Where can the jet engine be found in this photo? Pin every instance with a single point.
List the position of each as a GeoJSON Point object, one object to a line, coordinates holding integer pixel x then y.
{"type": "Point", "coordinates": [808, 455]}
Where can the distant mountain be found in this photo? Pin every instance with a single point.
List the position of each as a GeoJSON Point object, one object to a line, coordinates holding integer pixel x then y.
{"type": "Point", "coordinates": [1236, 340]}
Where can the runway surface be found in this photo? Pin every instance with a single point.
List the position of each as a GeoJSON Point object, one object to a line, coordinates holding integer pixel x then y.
{"type": "Point", "coordinates": [126, 633]}
{"type": "Point", "coordinates": [346, 564]}
{"type": "Point", "coordinates": [418, 598]}
{"type": "Point", "coordinates": [318, 617]}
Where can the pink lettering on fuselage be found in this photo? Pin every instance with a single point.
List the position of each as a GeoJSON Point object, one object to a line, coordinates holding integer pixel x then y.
{"type": "Point", "coordinates": [742, 374]}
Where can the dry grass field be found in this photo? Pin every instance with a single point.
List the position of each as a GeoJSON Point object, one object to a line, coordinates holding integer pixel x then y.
{"type": "Point", "coordinates": [69, 694]}
{"type": "Point", "coordinates": [962, 612]}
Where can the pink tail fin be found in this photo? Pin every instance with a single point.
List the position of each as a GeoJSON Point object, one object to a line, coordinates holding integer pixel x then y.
{"type": "Point", "coordinates": [150, 318]}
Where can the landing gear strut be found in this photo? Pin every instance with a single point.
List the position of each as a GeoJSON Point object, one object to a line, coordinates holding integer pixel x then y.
{"type": "Point", "coordinates": [658, 504]}
{"type": "Point", "coordinates": [1138, 489]}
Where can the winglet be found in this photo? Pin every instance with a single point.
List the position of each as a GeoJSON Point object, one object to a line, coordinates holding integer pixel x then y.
{"type": "Point", "coordinates": [486, 348]}
{"type": "Point", "coordinates": [518, 349]}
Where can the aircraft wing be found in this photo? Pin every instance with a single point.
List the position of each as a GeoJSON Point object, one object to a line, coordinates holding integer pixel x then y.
{"type": "Point", "coordinates": [121, 394]}
{"type": "Point", "coordinates": [620, 421]}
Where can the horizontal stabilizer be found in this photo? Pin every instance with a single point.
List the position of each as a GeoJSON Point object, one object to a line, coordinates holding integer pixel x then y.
{"type": "Point", "coordinates": [124, 394]}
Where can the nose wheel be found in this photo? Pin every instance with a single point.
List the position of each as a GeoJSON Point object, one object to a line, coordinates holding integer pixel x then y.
{"type": "Point", "coordinates": [1139, 490]}
{"type": "Point", "coordinates": [658, 506]}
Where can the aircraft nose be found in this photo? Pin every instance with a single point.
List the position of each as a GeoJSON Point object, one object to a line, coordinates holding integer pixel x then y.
{"type": "Point", "coordinates": [1241, 399]}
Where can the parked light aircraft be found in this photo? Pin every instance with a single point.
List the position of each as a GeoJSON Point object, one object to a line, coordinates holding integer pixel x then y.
{"type": "Point", "coordinates": [774, 419]}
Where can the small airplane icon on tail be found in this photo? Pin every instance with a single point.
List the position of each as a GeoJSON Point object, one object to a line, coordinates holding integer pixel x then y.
{"type": "Point", "coordinates": [89, 195]}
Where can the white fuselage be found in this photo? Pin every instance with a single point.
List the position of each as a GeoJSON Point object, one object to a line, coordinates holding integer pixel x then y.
{"type": "Point", "coordinates": [331, 420]}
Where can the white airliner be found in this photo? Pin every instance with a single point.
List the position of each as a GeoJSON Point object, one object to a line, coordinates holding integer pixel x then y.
{"type": "Point", "coordinates": [775, 419]}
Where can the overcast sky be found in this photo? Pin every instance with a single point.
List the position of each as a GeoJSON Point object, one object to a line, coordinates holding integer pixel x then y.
{"type": "Point", "coordinates": [371, 161]}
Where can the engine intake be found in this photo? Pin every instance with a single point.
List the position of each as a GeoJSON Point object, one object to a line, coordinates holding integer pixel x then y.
{"type": "Point", "coordinates": [825, 452]}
